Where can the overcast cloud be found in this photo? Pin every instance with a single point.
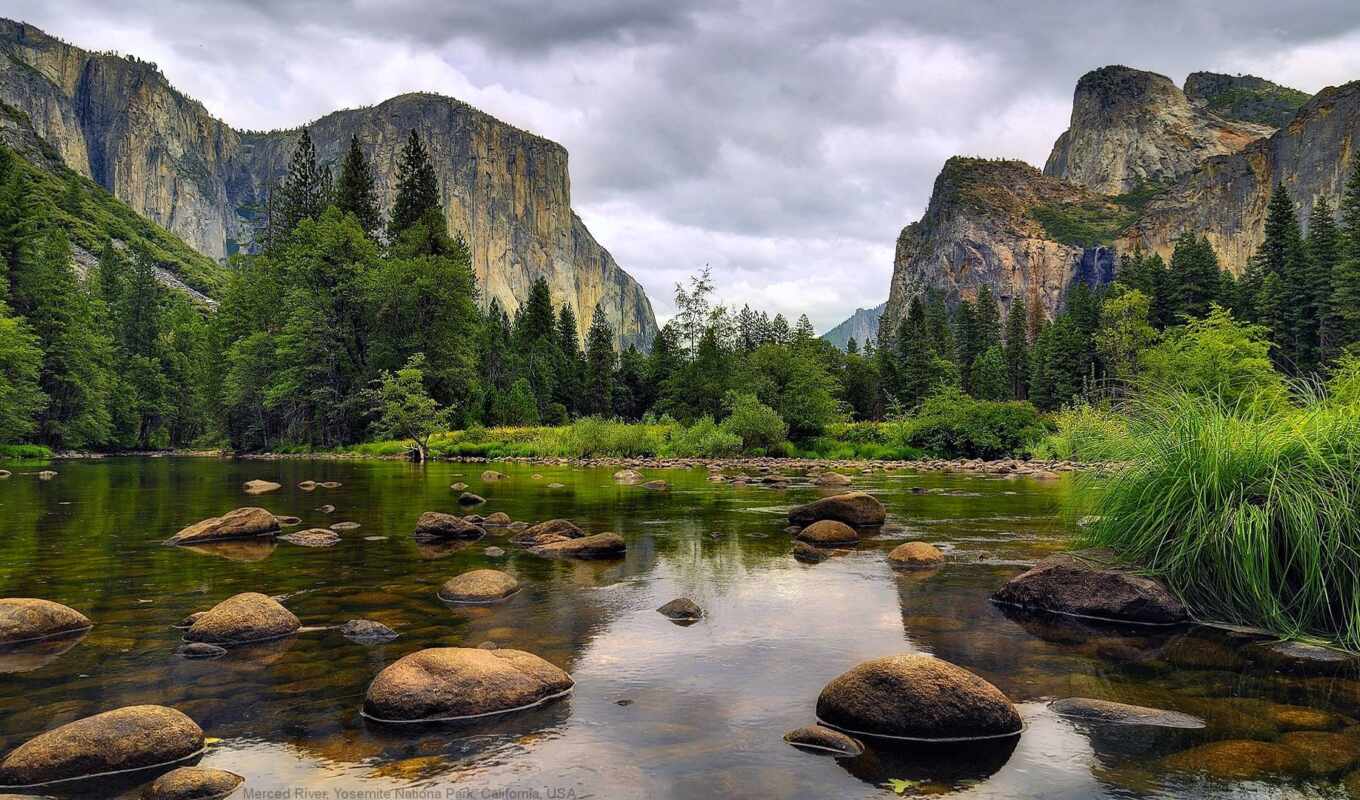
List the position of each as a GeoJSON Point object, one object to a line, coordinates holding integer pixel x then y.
{"type": "Point", "coordinates": [784, 143]}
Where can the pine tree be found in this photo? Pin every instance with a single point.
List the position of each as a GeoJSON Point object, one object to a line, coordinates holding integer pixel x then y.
{"type": "Point", "coordinates": [990, 380]}
{"type": "Point", "coordinates": [803, 332]}
{"type": "Point", "coordinates": [354, 191]}
{"type": "Point", "coordinates": [988, 320]}
{"type": "Point", "coordinates": [1343, 305]}
{"type": "Point", "coordinates": [1016, 350]}
{"type": "Point", "coordinates": [599, 365]}
{"type": "Point", "coordinates": [1280, 269]}
{"type": "Point", "coordinates": [1196, 276]}
{"type": "Point", "coordinates": [915, 356]}
{"type": "Point", "coordinates": [965, 340]}
{"type": "Point", "coordinates": [569, 382]}
{"type": "Point", "coordinates": [304, 190]}
{"type": "Point", "coordinates": [21, 397]}
{"type": "Point", "coordinates": [417, 187]}
{"type": "Point", "coordinates": [938, 324]}
{"type": "Point", "coordinates": [1324, 252]}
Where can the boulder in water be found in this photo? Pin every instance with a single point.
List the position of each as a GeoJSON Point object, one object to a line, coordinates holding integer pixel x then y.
{"type": "Point", "coordinates": [313, 537]}
{"type": "Point", "coordinates": [470, 499]}
{"type": "Point", "coordinates": [917, 697]}
{"type": "Point", "coordinates": [240, 523]}
{"type": "Point", "coordinates": [828, 533]}
{"type": "Point", "coordinates": [498, 519]}
{"type": "Point", "coordinates": [916, 555]}
{"type": "Point", "coordinates": [478, 586]}
{"type": "Point", "coordinates": [681, 609]}
{"type": "Point", "coordinates": [1106, 711]}
{"type": "Point", "coordinates": [193, 783]}
{"type": "Point", "coordinates": [1239, 759]}
{"type": "Point", "coordinates": [458, 487]}
{"type": "Point", "coordinates": [47, 475]}
{"type": "Point", "coordinates": [628, 475]}
{"type": "Point", "coordinates": [830, 479]}
{"type": "Point", "coordinates": [122, 740]}
{"type": "Point", "coordinates": [656, 486]}
{"type": "Point", "coordinates": [243, 618]}
{"type": "Point", "coordinates": [450, 683]}
{"type": "Point", "coordinates": [558, 529]}
{"type": "Point", "coordinates": [809, 554]}
{"type": "Point", "coordinates": [200, 650]}
{"type": "Point", "coordinates": [260, 487]}
{"type": "Point", "coordinates": [438, 525]}
{"type": "Point", "coordinates": [857, 509]}
{"type": "Point", "coordinates": [601, 545]}
{"type": "Point", "coordinates": [824, 739]}
{"type": "Point", "coordinates": [367, 631]}
{"type": "Point", "coordinates": [1301, 658]}
{"type": "Point", "coordinates": [27, 619]}
{"type": "Point", "coordinates": [1091, 584]}
{"type": "Point", "coordinates": [493, 475]}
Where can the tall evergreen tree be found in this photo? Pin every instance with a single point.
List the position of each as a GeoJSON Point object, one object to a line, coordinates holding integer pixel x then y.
{"type": "Point", "coordinates": [1324, 252]}
{"type": "Point", "coordinates": [599, 365]}
{"type": "Point", "coordinates": [417, 187]}
{"type": "Point", "coordinates": [1195, 274]}
{"type": "Point", "coordinates": [304, 190]}
{"type": "Point", "coordinates": [1016, 351]}
{"type": "Point", "coordinates": [1343, 305]}
{"type": "Point", "coordinates": [354, 191]}
{"type": "Point", "coordinates": [988, 320]}
{"type": "Point", "coordinates": [1280, 267]}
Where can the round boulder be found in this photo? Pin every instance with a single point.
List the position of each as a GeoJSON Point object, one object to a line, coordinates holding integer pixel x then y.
{"type": "Point", "coordinates": [438, 525]}
{"type": "Point", "coordinates": [560, 529]}
{"type": "Point", "coordinates": [916, 555]}
{"type": "Point", "coordinates": [26, 619]}
{"type": "Point", "coordinates": [916, 697]}
{"type": "Point", "coordinates": [193, 783]}
{"type": "Point", "coordinates": [824, 739]}
{"type": "Point", "coordinates": [47, 475]}
{"type": "Point", "coordinates": [458, 487]}
{"type": "Point", "coordinates": [828, 533]}
{"type": "Point", "coordinates": [857, 509]}
{"type": "Point", "coordinates": [450, 683]}
{"type": "Point", "coordinates": [830, 479]}
{"type": "Point", "coordinates": [470, 499]}
{"type": "Point", "coordinates": [241, 523]}
{"type": "Point", "coordinates": [493, 475]}
{"type": "Point", "coordinates": [478, 586]}
{"type": "Point", "coordinates": [656, 486]}
{"type": "Point", "coordinates": [681, 609]}
{"type": "Point", "coordinates": [601, 545]}
{"type": "Point", "coordinates": [243, 618]}
{"type": "Point", "coordinates": [498, 519]}
{"type": "Point", "coordinates": [808, 554]}
{"type": "Point", "coordinates": [122, 740]}
{"type": "Point", "coordinates": [628, 475]}
{"type": "Point", "coordinates": [1091, 584]}
{"type": "Point", "coordinates": [260, 487]}
{"type": "Point", "coordinates": [1302, 658]}
{"type": "Point", "coordinates": [313, 537]}
{"type": "Point", "coordinates": [366, 631]}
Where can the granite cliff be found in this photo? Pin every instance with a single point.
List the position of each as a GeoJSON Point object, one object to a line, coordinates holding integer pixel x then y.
{"type": "Point", "coordinates": [118, 121]}
{"type": "Point", "coordinates": [862, 326]}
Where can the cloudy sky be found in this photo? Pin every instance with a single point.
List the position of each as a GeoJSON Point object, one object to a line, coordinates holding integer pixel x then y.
{"type": "Point", "coordinates": [782, 142]}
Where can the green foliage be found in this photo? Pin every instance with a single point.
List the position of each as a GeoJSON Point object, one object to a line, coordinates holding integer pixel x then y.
{"type": "Point", "coordinates": [793, 381]}
{"type": "Point", "coordinates": [1085, 433]}
{"type": "Point", "coordinates": [758, 426]}
{"type": "Point", "coordinates": [21, 397]}
{"type": "Point", "coordinates": [1125, 333]}
{"type": "Point", "coordinates": [704, 439]}
{"type": "Point", "coordinates": [1083, 223]}
{"type": "Point", "coordinates": [354, 189]}
{"type": "Point", "coordinates": [404, 408]}
{"type": "Point", "coordinates": [306, 189]}
{"type": "Point", "coordinates": [1252, 517]}
{"type": "Point", "coordinates": [1216, 357]}
{"type": "Point", "coordinates": [951, 424]}
{"type": "Point", "coordinates": [417, 187]}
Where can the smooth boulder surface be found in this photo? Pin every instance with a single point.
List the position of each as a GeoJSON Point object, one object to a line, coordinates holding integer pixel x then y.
{"type": "Point", "coordinates": [193, 783]}
{"type": "Point", "coordinates": [828, 532]}
{"type": "Point", "coordinates": [498, 519]}
{"type": "Point", "coordinates": [831, 479]}
{"type": "Point", "coordinates": [313, 537]}
{"type": "Point", "coordinates": [820, 737]}
{"type": "Point", "coordinates": [438, 525]}
{"type": "Point", "coordinates": [1090, 584]}
{"type": "Point", "coordinates": [808, 554]}
{"type": "Point", "coordinates": [493, 475]}
{"type": "Point", "coordinates": [629, 475]}
{"type": "Point", "coordinates": [458, 487]}
{"type": "Point", "coordinates": [656, 486]}
{"type": "Point", "coordinates": [559, 529]}
{"type": "Point", "coordinates": [470, 499]}
{"type": "Point", "coordinates": [27, 619]}
{"type": "Point", "coordinates": [1107, 711]}
{"type": "Point", "coordinates": [681, 609]}
{"type": "Point", "coordinates": [856, 509]}
{"type": "Point", "coordinates": [260, 487]}
{"type": "Point", "coordinates": [450, 683]}
{"type": "Point", "coordinates": [916, 555]}
{"type": "Point", "coordinates": [367, 631]}
{"type": "Point", "coordinates": [478, 586]}
{"type": "Point", "coordinates": [47, 475]}
{"type": "Point", "coordinates": [240, 523]}
{"type": "Point", "coordinates": [243, 618]}
{"type": "Point", "coordinates": [197, 650]}
{"type": "Point", "coordinates": [601, 545]}
{"type": "Point", "coordinates": [1301, 658]}
{"type": "Point", "coordinates": [135, 737]}
{"type": "Point", "coordinates": [913, 696]}
{"type": "Point", "coordinates": [1239, 759]}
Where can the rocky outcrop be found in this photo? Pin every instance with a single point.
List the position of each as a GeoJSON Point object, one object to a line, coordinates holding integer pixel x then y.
{"type": "Point", "coordinates": [1131, 128]}
{"type": "Point", "coordinates": [136, 737]}
{"type": "Point", "coordinates": [862, 326]}
{"type": "Point", "coordinates": [240, 523]}
{"type": "Point", "coordinates": [451, 683]}
{"type": "Point", "coordinates": [119, 121]}
{"type": "Point", "coordinates": [1245, 98]}
{"type": "Point", "coordinates": [1092, 584]}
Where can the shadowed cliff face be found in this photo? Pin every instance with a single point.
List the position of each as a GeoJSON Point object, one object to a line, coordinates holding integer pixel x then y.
{"type": "Point", "coordinates": [507, 191]}
{"type": "Point", "coordinates": [1131, 127]}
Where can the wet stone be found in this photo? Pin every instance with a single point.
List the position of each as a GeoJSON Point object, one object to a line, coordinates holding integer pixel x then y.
{"type": "Point", "coordinates": [367, 631]}
{"type": "Point", "coordinates": [193, 783]}
{"type": "Point", "coordinates": [470, 499]}
{"type": "Point", "coordinates": [345, 526]}
{"type": "Point", "coordinates": [313, 537]}
{"type": "Point", "coordinates": [681, 609]}
{"type": "Point", "coordinates": [196, 650]}
{"type": "Point", "coordinates": [1105, 711]}
{"type": "Point", "coordinates": [822, 739]}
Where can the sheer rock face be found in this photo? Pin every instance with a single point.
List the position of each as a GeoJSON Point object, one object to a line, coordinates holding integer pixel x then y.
{"type": "Point", "coordinates": [1131, 128]}
{"type": "Point", "coordinates": [979, 229]}
{"type": "Point", "coordinates": [119, 122]}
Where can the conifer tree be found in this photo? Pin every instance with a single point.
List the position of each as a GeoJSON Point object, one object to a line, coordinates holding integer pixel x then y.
{"type": "Point", "coordinates": [599, 365]}
{"type": "Point", "coordinates": [1280, 268]}
{"type": "Point", "coordinates": [1016, 350]}
{"type": "Point", "coordinates": [965, 340]}
{"type": "Point", "coordinates": [988, 320]}
{"type": "Point", "coordinates": [1324, 252]}
{"type": "Point", "coordinates": [354, 191]}
{"type": "Point", "coordinates": [417, 187]}
{"type": "Point", "coordinates": [1195, 274]}
{"type": "Point", "coordinates": [304, 190]}
{"type": "Point", "coordinates": [915, 356]}
{"type": "Point", "coordinates": [571, 370]}
{"type": "Point", "coordinates": [1343, 306]}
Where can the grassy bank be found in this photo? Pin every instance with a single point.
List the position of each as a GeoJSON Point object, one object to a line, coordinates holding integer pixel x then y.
{"type": "Point", "coordinates": [24, 452]}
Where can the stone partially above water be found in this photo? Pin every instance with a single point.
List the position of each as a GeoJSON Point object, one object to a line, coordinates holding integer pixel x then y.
{"type": "Point", "coordinates": [260, 487]}
{"type": "Point", "coordinates": [438, 525]}
{"type": "Point", "coordinates": [125, 739]}
{"type": "Point", "coordinates": [313, 537]}
{"type": "Point", "coordinates": [243, 618]}
{"type": "Point", "coordinates": [1091, 584]}
{"type": "Point", "coordinates": [27, 619]}
{"type": "Point", "coordinates": [470, 499]}
{"type": "Point", "coordinates": [200, 650]}
{"type": "Point", "coordinates": [240, 523]}
{"type": "Point", "coordinates": [478, 586]}
{"type": "Point", "coordinates": [681, 609]}
{"type": "Point", "coordinates": [918, 697]}
{"type": "Point", "coordinates": [193, 783]}
{"type": "Point", "coordinates": [830, 479]}
{"type": "Point", "coordinates": [493, 475]}
{"type": "Point", "coordinates": [809, 554]}
{"type": "Point", "coordinates": [856, 509]}
{"type": "Point", "coordinates": [450, 683]}
{"type": "Point", "coordinates": [1301, 658]}
{"type": "Point", "coordinates": [1106, 711]}
{"type": "Point", "coordinates": [916, 555]}
{"type": "Point", "coordinates": [554, 530]}
{"type": "Point", "coordinates": [828, 532]}
{"type": "Point", "coordinates": [824, 739]}
{"type": "Point", "coordinates": [601, 545]}
{"type": "Point", "coordinates": [366, 631]}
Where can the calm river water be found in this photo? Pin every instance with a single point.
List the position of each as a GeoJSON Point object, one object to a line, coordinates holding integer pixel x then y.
{"type": "Point", "coordinates": [659, 710]}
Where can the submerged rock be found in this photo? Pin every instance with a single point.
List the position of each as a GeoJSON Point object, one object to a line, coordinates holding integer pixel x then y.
{"type": "Point", "coordinates": [601, 545]}
{"type": "Point", "coordinates": [1302, 658]}
{"type": "Point", "coordinates": [243, 618]}
{"type": "Point", "coordinates": [345, 526]}
{"type": "Point", "coordinates": [367, 631]}
{"type": "Point", "coordinates": [313, 537]}
{"type": "Point", "coordinates": [1085, 708]}
{"type": "Point", "coordinates": [656, 486]}
{"type": "Point", "coordinates": [498, 519]}
{"type": "Point", "coordinates": [326, 509]}
{"type": "Point", "coordinates": [681, 609]}
{"type": "Point", "coordinates": [125, 739]}
{"type": "Point", "coordinates": [916, 555]}
{"type": "Point", "coordinates": [819, 737]}
{"type": "Point", "coordinates": [628, 475]}
{"type": "Point", "coordinates": [828, 532]}
{"type": "Point", "coordinates": [913, 696]}
{"type": "Point", "coordinates": [47, 475]}
{"type": "Point", "coordinates": [193, 783]}
{"type": "Point", "coordinates": [493, 475]}
{"type": "Point", "coordinates": [494, 552]}
{"type": "Point", "coordinates": [557, 529]}
{"type": "Point", "coordinates": [470, 499]}
{"type": "Point", "coordinates": [197, 650]}
{"type": "Point", "coordinates": [830, 479]}
{"type": "Point", "coordinates": [289, 522]}
{"type": "Point", "coordinates": [27, 619]}
{"type": "Point", "coordinates": [4, 473]}
{"type": "Point", "coordinates": [1239, 759]}
{"type": "Point", "coordinates": [459, 486]}
{"type": "Point", "coordinates": [478, 586]}
{"type": "Point", "coordinates": [1324, 753]}
{"type": "Point", "coordinates": [857, 509]}
{"type": "Point", "coordinates": [307, 486]}
{"type": "Point", "coordinates": [808, 554]}
{"type": "Point", "coordinates": [260, 487]}
{"type": "Point", "coordinates": [460, 682]}
{"type": "Point", "coordinates": [189, 621]}
{"type": "Point", "coordinates": [1090, 584]}
{"type": "Point", "coordinates": [438, 525]}
{"type": "Point", "coordinates": [240, 523]}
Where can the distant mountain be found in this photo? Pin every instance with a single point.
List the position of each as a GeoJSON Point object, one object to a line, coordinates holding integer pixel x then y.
{"type": "Point", "coordinates": [862, 326]}
{"type": "Point", "coordinates": [117, 121]}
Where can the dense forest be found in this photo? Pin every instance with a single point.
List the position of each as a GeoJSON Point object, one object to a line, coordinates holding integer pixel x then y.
{"type": "Point", "coordinates": [341, 303]}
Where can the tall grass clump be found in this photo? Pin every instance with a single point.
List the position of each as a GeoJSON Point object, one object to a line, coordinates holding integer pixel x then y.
{"type": "Point", "coordinates": [1252, 516]}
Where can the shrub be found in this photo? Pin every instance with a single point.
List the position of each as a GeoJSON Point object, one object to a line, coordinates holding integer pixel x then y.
{"type": "Point", "coordinates": [951, 424]}
{"type": "Point", "coordinates": [756, 424]}
{"type": "Point", "coordinates": [704, 439]}
{"type": "Point", "coordinates": [1084, 433]}
{"type": "Point", "coordinates": [1216, 357]}
{"type": "Point", "coordinates": [1251, 517]}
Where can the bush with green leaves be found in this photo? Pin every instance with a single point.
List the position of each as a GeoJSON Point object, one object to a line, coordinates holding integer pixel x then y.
{"type": "Point", "coordinates": [757, 425]}
{"type": "Point", "coordinates": [1216, 357]}
{"type": "Point", "coordinates": [704, 439]}
{"type": "Point", "coordinates": [950, 424]}
{"type": "Point", "coordinates": [1085, 432]}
